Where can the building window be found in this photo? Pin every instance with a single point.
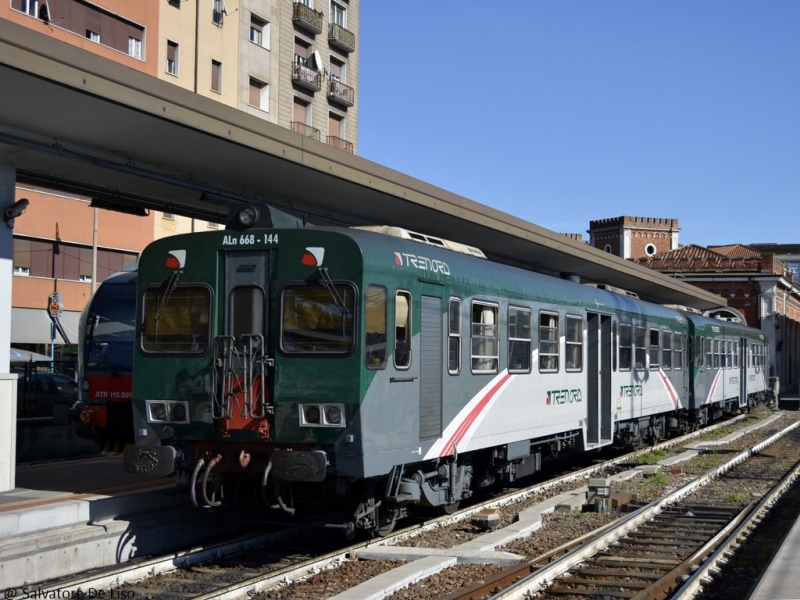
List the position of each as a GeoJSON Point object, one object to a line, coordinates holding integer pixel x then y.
{"type": "Point", "coordinates": [574, 341]}
{"type": "Point", "coordinates": [259, 94]}
{"type": "Point", "coordinates": [519, 340]}
{"type": "Point", "coordinates": [30, 7]}
{"type": "Point", "coordinates": [92, 36]}
{"type": "Point", "coordinates": [218, 11]}
{"type": "Point", "coordinates": [650, 249]}
{"type": "Point", "coordinates": [302, 52]}
{"type": "Point", "coordinates": [259, 31]}
{"type": "Point", "coordinates": [485, 338]}
{"type": "Point", "coordinates": [58, 260]}
{"type": "Point", "coordinates": [548, 342]}
{"type": "Point", "coordinates": [216, 76]}
{"type": "Point", "coordinates": [454, 337]}
{"type": "Point", "coordinates": [375, 327]}
{"type": "Point", "coordinates": [335, 126]}
{"type": "Point", "coordinates": [337, 70]}
{"type": "Point", "coordinates": [135, 47]}
{"type": "Point", "coordinates": [338, 14]}
{"type": "Point", "coordinates": [301, 116]}
{"type": "Point", "coordinates": [172, 58]}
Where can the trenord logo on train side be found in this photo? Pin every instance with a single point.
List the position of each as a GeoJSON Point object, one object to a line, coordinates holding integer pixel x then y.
{"type": "Point", "coordinates": [423, 263]}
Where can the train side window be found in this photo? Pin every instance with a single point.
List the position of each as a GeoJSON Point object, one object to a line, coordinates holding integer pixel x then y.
{"type": "Point", "coordinates": [715, 351]}
{"type": "Point", "coordinates": [655, 349]}
{"type": "Point", "coordinates": [625, 347]}
{"type": "Point", "coordinates": [485, 338]}
{"type": "Point", "coordinates": [640, 348]}
{"type": "Point", "coordinates": [402, 330]}
{"type": "Point", "coordinates": [454, 337]}
{"type": "Point", "coordinates": [735, 355]}
{"type": "Point", "coordinates": [728, 345]}
{"type": "Point", "coordinates": [574, 339]}
{"type": "Point", "coordinates": [677, 351]}
{"type": "Point", "coordinates": [548, 342]}
{"type": "Point", "coordinates": [614, 346]}
{"type": "Point", "coordinates": [375, 324]}
{"type": "Point", "coordinates": [709, 353]}
{"type": "Point", "coordinates": [519, 340]}
{"type": "Point", "coordinates": [666, 350]}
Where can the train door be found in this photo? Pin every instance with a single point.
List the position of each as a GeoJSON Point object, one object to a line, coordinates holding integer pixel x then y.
{"type": "Point", "coordinates": [430, 368]}
{"type": "Point", "coordinates": [242, 349]}
{"type": "Point", "coordinates": [598, 378]}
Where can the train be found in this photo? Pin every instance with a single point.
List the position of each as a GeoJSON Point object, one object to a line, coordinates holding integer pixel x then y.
{"type": "Point", "coordinates": [104, 410]}
{"type": "Point", "coordinates": [382, 370]}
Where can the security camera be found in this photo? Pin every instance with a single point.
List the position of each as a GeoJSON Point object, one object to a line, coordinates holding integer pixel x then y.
{"type": "Point", "coordinates": [15, 210]}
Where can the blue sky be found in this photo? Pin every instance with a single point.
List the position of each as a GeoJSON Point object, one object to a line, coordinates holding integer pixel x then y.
{"type": "Point", "coordinates": [561, 112]}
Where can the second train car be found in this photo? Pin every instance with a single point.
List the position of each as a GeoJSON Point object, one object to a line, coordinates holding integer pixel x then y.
{"type": "Point", "coordinates": [390, 369]}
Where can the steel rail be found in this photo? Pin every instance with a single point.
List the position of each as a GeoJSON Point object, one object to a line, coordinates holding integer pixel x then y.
{"type": "Point", "coordinates": [693, 585]}
{"type": "Point", "coordinates": [147, 568]}
{"type": "Point", "coordinates": [534, 582]}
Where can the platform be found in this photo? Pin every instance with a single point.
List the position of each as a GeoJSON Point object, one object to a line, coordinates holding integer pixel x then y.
{"type": "Point", "coordinates": [91, 513]}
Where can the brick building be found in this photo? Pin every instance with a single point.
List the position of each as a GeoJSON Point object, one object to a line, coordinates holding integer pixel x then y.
{"type": "Point", "coordinates": [756, 284]}
{"type": "Point", "coordinates": [290, 63]}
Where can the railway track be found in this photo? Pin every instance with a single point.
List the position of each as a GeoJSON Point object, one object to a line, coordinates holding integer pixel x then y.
{"type": "Point", "coordinates": [653, 551]}
{"type": "Point", "coordinates": [247, 565]}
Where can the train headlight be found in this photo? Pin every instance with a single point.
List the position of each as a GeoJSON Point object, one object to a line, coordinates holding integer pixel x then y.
{"type": "Point", "coordinates": [322, 415]}
{"type": "Point", "coordinates": [178, 412]}
{"type": "Point", "coordinates": [248, 216]}
{"type": "Point", "coordinates": [312, 414]}
{"type": "Point", "coordinates": [333, 415]}
{"type": "Point", "coordinates": [158, 411]}
{"type": "Point", "coordinates": [167, 411]}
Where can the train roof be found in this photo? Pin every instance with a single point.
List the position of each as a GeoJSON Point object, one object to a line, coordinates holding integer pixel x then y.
{"type": "Point", "coordinates": [468, 267]}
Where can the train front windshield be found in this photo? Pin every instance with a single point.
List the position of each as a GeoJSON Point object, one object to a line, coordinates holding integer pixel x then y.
{"type": "Point", "coordinates": [107, 328]}
{"type": "Point", "coordinates": [108, 343]}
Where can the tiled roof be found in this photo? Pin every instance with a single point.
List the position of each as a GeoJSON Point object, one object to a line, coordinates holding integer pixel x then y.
{"type": "Point", "coordinates": [699, 259]}
{"type": "Point", "coordinates": [736, 251]}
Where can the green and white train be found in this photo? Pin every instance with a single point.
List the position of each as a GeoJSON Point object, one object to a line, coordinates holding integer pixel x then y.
{"type": "Point", "coordinates": [387, 369]}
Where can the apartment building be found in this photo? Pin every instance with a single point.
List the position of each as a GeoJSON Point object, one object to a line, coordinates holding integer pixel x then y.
{"type": "Point", "coordinates": [292, 63]}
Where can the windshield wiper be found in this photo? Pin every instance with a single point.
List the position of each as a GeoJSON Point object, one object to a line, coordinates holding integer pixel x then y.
{"type": "Point", "coordinates": [164, 299]}
{"type": "Point", "coordinates": [326, 281]}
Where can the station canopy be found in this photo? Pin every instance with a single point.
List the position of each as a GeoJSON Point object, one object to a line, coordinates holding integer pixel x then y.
{"type": "Point", "coordinates": [79, 123]}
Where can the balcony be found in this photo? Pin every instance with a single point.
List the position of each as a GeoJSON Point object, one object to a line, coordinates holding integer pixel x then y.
{"type": "Point", "coordinates": [339, 143]}
{"type": "Point", "coordinates": [305, 130]}
{"type": "Point", "coordinates": [306, 77]}
{"type": "Point", "coordinates": [341, 38]}
{"type": "Point", "coordinates": [307, 18]}
{"type": "Point", "coordinates": [341, 93]}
